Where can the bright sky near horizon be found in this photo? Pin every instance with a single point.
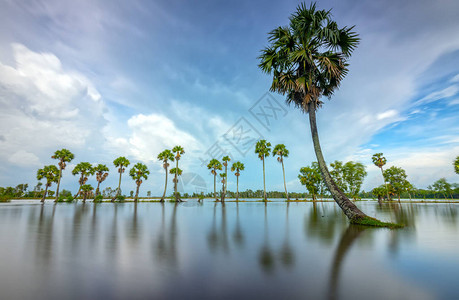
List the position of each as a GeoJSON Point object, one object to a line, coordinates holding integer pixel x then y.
{"type": "Point", "coordinates": [131, 78]}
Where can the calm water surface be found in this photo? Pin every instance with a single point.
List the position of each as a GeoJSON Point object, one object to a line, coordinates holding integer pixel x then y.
{"type": "Point", "coordinates": [208, 251]}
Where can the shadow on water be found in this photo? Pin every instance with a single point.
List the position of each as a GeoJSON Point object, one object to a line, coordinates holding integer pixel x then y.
{"type": "Point", "coordinates": [266, 256]}
{"type": "Point", "coordinates": [165, 246]}
{"type": "Point", "coordinates": [286, 252]}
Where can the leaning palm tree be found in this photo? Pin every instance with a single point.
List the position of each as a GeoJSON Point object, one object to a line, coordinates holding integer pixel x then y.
{"type": "Point", "coordinates": [138, 172]}
{"type": "Point", "coordinates": [263, 149]}
{"type": "Point", "coordinates": [176, 172]}
{"type": "Point", "coordinates": [238, 167]}
{"type": "Point", "coordinates": [84, 169]}
{"type": "Point", "coordinates": [101, 174]}
{"type": "Point", "coordinates": [281, 151]}
{"type": "Point", "coordinates": [51, 173]}
{"type": "Point", "coordinates": [64, 156]}
{"type": "Point", "coordinates": [214, 165]}
{"type": "Point", "coordinates": [121, 163]}
{"type": "Point", "coordinates": [178, 150]}
{"type": "Point", "coordinates": [225, 160]}
{"type": "Point", "coordinates": [165, 156]}
{"type": "Point", "coordinates": [308, 59]}
{"type": "Point", "coordinates": [379, 160]}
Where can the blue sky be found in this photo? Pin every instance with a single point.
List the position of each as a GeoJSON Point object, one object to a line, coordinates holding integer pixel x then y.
{"type": "Point", "coordinates": [106, 79]}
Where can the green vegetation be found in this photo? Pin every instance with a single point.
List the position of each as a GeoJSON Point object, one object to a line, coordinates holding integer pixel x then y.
{"type": "Point", "coordinates": [51, 174]}
{"type": "Point", "coordinates": [237, 167]}
{"type": "Point", "coordinates": [101, 174]}
{"type": "Point", "coordinates": [85, 170]}
{"type": "Point", "coordinates": [138, 172]}
{"type": "Point", "coordinates": [396, 177]}
{"type": "Point", "coordinates": [179, 151]}
{"type": "Point", "coordinates": [225, 160]}
{"type": "Point", "coordinates": [310, 177]}
{"type": "Point", "coordinates": [64, 156]}
{"type": "Point", "coordinates": [121, 163]}
{"type": "Point", "coordinates": [214, 165]}
{"type": "Point", "coordinates": [263, 149]}
{"type": "Point", "coordinates": [456, 165]}
{"type": "Point", "coordinates": [165, 157]}
{"type": "Point", "coordinates": [86, 190]}
{"type": "Point", "coordinates": [281, 151]}
{"type": "Point", "coordinates": [379, 160]}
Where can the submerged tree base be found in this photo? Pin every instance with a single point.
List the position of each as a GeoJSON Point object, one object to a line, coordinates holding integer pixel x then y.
{"type": "Point", "coordinates": [369, 221]}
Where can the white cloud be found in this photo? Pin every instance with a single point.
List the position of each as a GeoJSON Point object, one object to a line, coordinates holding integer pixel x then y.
{"type": "Point", "coordinates": [44, 106]}
{"type": "Point", "coordinates": [453, 102]}
{"type": "Point", "coordinates": [455, 78]}
{"type": "Point", "coordinates": [438, 95]}
{"type": "Point", "coordinates": [24, 158]}
{"type": "Point", "coordinates": [387, 114]}
{"type": "Point", "coordinates": [151, 134]}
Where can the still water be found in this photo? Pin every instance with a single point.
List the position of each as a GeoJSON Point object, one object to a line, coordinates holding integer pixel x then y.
{"type": "Point", "coordinates": [236, 251]}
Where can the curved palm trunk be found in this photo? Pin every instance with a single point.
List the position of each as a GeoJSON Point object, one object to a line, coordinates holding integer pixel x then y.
{"type": "Point", "coordinates": [136, 198]}
{"type": "Point", "coordinates": [285, 185]}
{"type": "Point", "coordinates": [85, 195]}
{"type": "Point", "coordinates": [264, 182]}
{"type": "Point", "coordinates": [385, 183]}
{"type": "Point", "coordinates": [350, 209]}
{"type": "Point", "coordinates": [44, 195]}
{"type": "Point", "coordinates": [58, 184]}
{"type": "Point", "coordinates": [97, 189]}
{"type": "Point", "coordinates": [118, 192]}
{"type": "Point", "coordinates": [225, 183]}
{"type": "Point", "coordinates": [237, 188]}
{"type": "Point", "coordinates": [177, 199]}
{"type": "Point", "coordinates": [165, 188]}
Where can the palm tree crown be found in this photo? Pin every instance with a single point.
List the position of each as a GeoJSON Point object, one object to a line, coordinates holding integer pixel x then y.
{"type": "Point", "coordinates": [165, 156]}
{"type": "Point", "coordinates": [50, 173]}
{"type": "Point", "coordinates": [121, 162]}
{"type": "Point", "coordinates": [263, 149]}
{"type": "Point", "coordinates": [85, 169]}
{"type": "Point", "coordinates": [281, 151]}
{"type": "Point", "coordinates": [237, 166]}
{"type": "Point", "coordinates": [379, 160]}
{"type": "Point", "coordinates": [308, 58]}
{"type": "Point", "coordinates": [63, 156]}
{"type": "Point", "coordinates": [178, 150]}
{"type": "Point", "coordinates": [138, 172]}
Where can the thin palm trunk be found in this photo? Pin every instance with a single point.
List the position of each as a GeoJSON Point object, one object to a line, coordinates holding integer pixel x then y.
{"type": "Point", "coordinates": [44, 195]}
{"type": "Point", "coordinates": [385, 183]}
{"type": "Point", "coordinates": [176, 181]}
{"type": "Point", "coordinates": [58, 184]}
{"type": "Point", "coordinates": [283, 173]}
{"type": "Point", "coordinates": [237, 188]}
{"type": "Point", "coordinates": [349, 208]}
{"type": "Point", "coordinates": [224, 183]}
{"type": "Point", "coordinates": [264, 182]}
{"type": "Point", "coordinates": [136, 198]}
{"type": "Point", "coordinates": [215, 186]}
{"type": "Point", "coordinates": [165, 187]}
{"type": "Point", "coordinates": [97, 189]}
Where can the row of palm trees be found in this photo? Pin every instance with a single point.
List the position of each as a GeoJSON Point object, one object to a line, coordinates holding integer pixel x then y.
{"type": "Point", "coordinates": [215, 165]}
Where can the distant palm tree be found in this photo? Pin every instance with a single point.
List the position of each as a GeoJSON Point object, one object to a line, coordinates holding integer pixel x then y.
{"type": "Point", "coordinates": [263, 149]}
{"type": "Point", "coordinates": [165, 156]}
{"type": "Point", "coordinates": [177, 172]}
{"type": "Point", "coordinates": [121, 163]}
{"type": "Point", "coordinates": [456, 165]}
{"type": "Point", "coordinates": [281, 151]}
{"type": "Point", "coordinates": [223, 177]}
{"type": "Point", "coordinates": [225, 160]}
{"type": "Point", "coordinates": [238, 167]}
{"type": "Point", "coordinates": [138, 172]}
{"type": "Point", "coordinates": [85, 170]}
{"type": "Point", "coordinates": [101, 174]}
{"type": "Point", "coordinates": [85, 191]}
{"type": "Point", "coordinates": [51, 173]}
{"type": "Point", "coordinates": [379, 160]}
{"type": "Point", "coordinates": [214, 165]}
{"type": "Point", "coordinates": [178, 150]}
{"type": "Point", "coordinates": [308, 60]}
{"type": "Point", "coordinates": [63, 156]}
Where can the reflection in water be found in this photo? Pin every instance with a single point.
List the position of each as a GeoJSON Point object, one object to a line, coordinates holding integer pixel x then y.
{"type": "Point", "coordinates": [236, 250]}
{"type": "Point", "coordinates": [348, 238]}
{"type": "Point", "coordinates": [266, 257]}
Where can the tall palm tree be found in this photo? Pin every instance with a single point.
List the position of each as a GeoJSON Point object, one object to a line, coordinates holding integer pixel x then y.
{"type": "Point", "coordinates": [238, 167]}
{"type": "Point", "coordinates": [263, 149]}
{"type": "Point", "coordinates": [121, 163]}
{"type": "Point", "coordinates": [138, 172]}
{"type": "Point", "coordinates": [51, 174]}
{"type": "Point", "coordinates": [177, 172]}
{"type": "Point", "coordinates": [85, 170]}
{"type": "Point", "coordinates": [64, 156]}
{"type": "Point", "coordinates": [223, 177]}
{"type": "Point", "coordinates": [225, 160]}
{"type": "Point", "coordinates": [456, 165]}
{"type": "Point", "coordinates": [101, 174]}
{"type": "Point", "coordinates": [165, 156]}
{"type": "Point", "coordinates": [308, 60]}
{"type": "Point", "coordinates": [214, 165]}
{"type": "Point", "coordinates": [281, 151]}
{"type": "Point", "coordinates": [379, 160]}
{"type": "Point", "coordinates": [178, 150]}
